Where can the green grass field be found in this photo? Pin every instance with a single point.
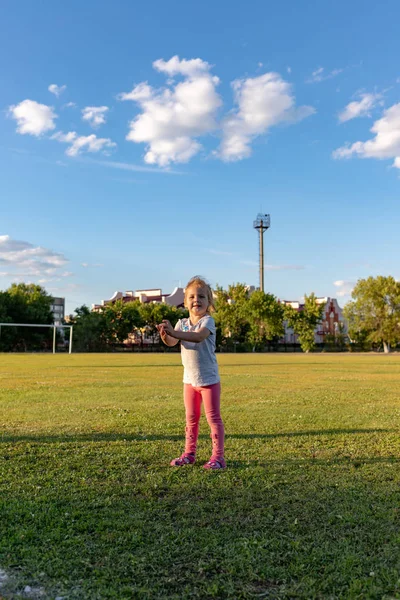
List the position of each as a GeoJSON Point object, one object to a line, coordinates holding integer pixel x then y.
{"type": "Point", "coordinates": [309, 506]}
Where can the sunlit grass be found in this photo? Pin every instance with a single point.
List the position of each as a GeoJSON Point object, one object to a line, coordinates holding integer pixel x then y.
{"type": "Point", "coordinates": [308, 507]}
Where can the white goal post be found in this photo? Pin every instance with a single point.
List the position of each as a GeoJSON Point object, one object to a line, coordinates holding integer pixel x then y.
{"type": "Point", "coordinates": [55, 327]}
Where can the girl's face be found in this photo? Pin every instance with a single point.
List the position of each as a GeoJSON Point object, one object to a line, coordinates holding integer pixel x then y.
{"type": "Point", "coordinates": [197, 301]}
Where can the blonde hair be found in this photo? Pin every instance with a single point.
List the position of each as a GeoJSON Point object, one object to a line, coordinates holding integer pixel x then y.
{"type": "Point", "coordinates": [198, 281]}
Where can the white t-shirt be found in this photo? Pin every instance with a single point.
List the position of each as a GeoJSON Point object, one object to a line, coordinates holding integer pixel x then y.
{"type": "Point", "coordinates": [200, 365]}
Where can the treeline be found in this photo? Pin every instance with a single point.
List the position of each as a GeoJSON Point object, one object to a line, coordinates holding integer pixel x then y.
{"type": "Point", "coordinates": [253, 321]}
{"type": "Point", "coordinates": [120, 324]}
{"type": "Point", "coordinates": [245, 321]}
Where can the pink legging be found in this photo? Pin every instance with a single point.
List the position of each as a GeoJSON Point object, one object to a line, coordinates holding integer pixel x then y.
{"type": "Point", "coordinates": [210, 394]}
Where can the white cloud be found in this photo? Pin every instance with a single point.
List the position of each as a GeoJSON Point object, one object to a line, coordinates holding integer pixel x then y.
{"type": "Point", "coordinates": [29, 260]}
{"type": "Point", "coordinates": [263, 102]}
{"type": "Point", "coordinates": [142, 91]}
{"type": "Point", "coordinates": [187, 68]}
{"type": "Point", "coordinates": [164, 151]}
{"type": "Point", "coordinates": [88, 143]}
{"type": "Point", "coordinates": [69, 105]}
{"type": "Point", "coordinates": [321, 75]}
{"type": "Point", "coordinates": [33, 118]}
{"type": "Point", "coordinates": [64, 137]}
{"type": "Point", "coordinates": [360, 108]}
{"type": "Point", "coordinates": [385, 144]}
{"type": "Point", "coordinates": [95, 115]}
{"type": "Point", "coordinates": [57, 90]}
{"type": "Point", "coordinates": [344, 287]}
{"type": "Point", "coordinates": [173, 117]}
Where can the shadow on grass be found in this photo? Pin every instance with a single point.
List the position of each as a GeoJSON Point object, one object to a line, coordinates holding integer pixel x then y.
{"type": "Point", "coordinates": [158, 365]}
{"type": "Point", "coordinates": [130, 437]}
{"type": "Point", "coordinates": [355, 461]}
{"type": "Point", "coordinates": [145, 366]}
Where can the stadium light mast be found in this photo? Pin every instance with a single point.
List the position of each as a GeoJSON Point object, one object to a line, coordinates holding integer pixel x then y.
{"type": "Point", "coordinates": [262, 223]}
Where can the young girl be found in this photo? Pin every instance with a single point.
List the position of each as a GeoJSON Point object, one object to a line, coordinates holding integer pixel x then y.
{"type": "Point", "coordinates": [201, 379]}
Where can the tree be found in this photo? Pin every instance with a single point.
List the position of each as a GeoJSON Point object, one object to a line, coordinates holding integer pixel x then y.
{"type": "Point", "coordinates": [243, 317]}
{"type": "Point", "coordinates": [153, 313]}
{"type": "Point", "coordinates": [231, 312]}
{"type": "Point", "coordinates": [375, 310]}
{"type": "Point", "coordinates": [7, 333]}
{"type": "Point", "coordinates": [122, 318]}
{"type": "Point", "coordinates": [265, 315]}
{"type": "Point", "coordinates": [30, 304]}
{"type": "Point", "coordinates": [25, 303]}
{"type": "Point", "coordinates": [98, 331]}
{"type": "Point", "coordinates": [5, 307]}
{"type": "Point", "coordinates": [304, 322]}
{"type": "Point", "coordinates": [90, 330]}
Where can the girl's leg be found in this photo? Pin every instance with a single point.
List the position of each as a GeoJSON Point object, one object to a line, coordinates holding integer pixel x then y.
{"type": "Point", "coordinates": [192, 399]}
{"type": "Point", "coordinates": [211, 397]}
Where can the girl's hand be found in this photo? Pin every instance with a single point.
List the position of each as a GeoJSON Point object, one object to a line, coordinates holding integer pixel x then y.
{"type": "Point", "coordinates": [167, 327]}
{"type": "Point", "coordinates": [162, 332]}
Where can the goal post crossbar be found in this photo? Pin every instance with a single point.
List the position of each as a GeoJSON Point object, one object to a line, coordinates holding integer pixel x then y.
{"type": "Point", "coordinates": [55, 327]}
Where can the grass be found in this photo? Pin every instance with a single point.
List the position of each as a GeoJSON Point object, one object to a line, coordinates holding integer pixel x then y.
{"type": "Point", "coordinates": [308, 508]}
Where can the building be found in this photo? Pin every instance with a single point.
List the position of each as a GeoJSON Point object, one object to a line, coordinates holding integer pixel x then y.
{"type": "Point", "coordinates": [332, 321]}
{"type": "Point", "coordinates": [58, 309]}
{"type": "Point", "coordinates": [176, 298]}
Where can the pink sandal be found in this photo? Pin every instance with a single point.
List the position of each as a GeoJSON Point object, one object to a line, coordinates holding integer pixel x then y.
{"type": "Point", "coordinates": [215, 462]}
{"type": "Point", "coordinates": [184, 459]}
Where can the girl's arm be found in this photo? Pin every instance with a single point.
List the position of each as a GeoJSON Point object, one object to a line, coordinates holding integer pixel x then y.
{"type": "Point", "coordinates": [186, 336]}
{"type": "Point", "coordinates": [167, 339]}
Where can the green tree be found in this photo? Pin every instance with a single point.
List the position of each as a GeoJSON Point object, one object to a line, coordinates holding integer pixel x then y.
{"type": "Point", "coordinates": [375, 311]}
{"type": "Point", "coordinates": [25, 303]}
{"type": "Point", "coordinates": [30, 303]}
{"type": "Point", "coordinates": [304, 322]}
{"type": "Point", "coordinates": [153, 313]}
{"type": "Point", "coordinates": [98, 331]}
{"type": "Point", "coordinates": [90, 330]}
{"type": "Point", "coordinates": [231, 314]}
{"type": "Point", "coordinates": [5, 302]}
{"type": "Point", "coordinates": [122, 318]}
{"type": "Point", "coordinates": [7, 334]}
{"type": "Point", "coordinates": [265, 316]}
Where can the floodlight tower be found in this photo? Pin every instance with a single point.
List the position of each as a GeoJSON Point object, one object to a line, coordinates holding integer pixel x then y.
{"type": "Point", "coordinates": [262, 223]}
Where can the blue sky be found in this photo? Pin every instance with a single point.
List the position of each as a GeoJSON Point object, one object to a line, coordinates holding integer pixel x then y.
{"type": "Point", "coordinates": [138, 142]}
